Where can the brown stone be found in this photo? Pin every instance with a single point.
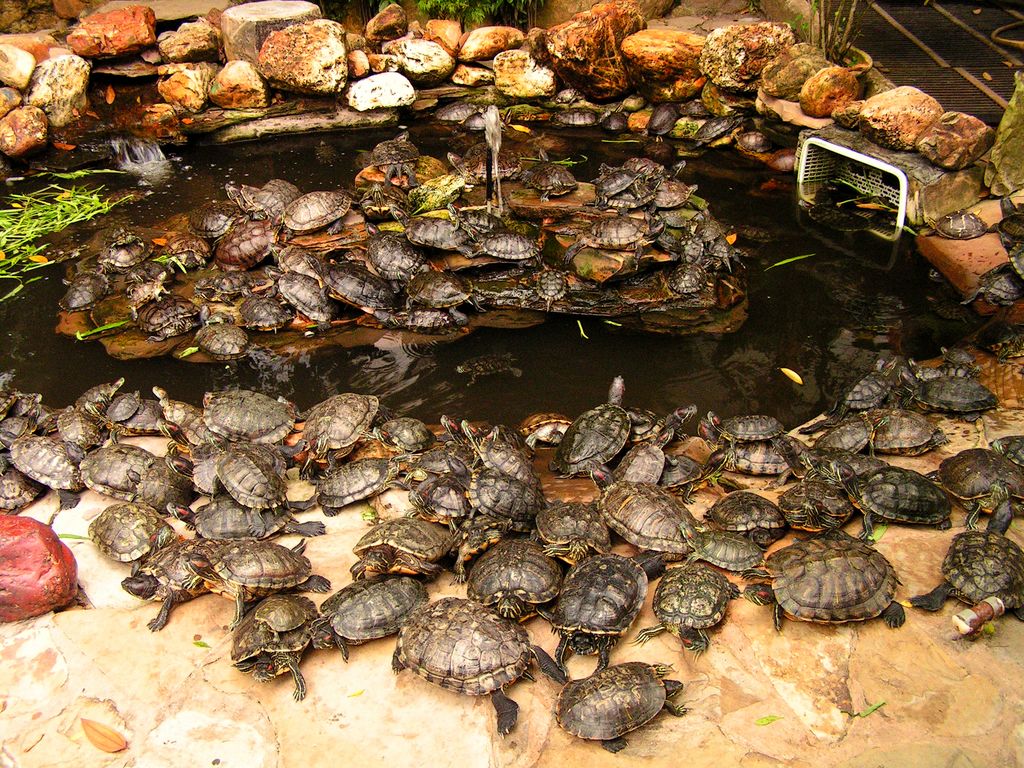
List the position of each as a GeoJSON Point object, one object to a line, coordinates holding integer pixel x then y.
{"type": "Point", "coordinates": [555, 12]}
{"type": "Point", "coordinates": [10, 98]}
{"type": "Point", "coordinates": [829, 89]}
{"type": "Point", "coordinates": [1005, 172]}
{"type": "Point", "coordinates": [358, 64]}
{"type": "Point", "coordinates": [160, 122]}
{"type": "Point", "coordinates": [38, 573]}
{"type": "Point", "coordinates": [472, 76]}
{"type": "Point", "coordinates": [722, 103]}
{"type": "Point", "coordinates": [244, 28]}
{"type": "Point", "coordinates": [38, 44]}
{"type": "Point", "coordinates": [586, 52]}
{"type": "Point", "coordinates": [664, 63]}
{"type": "Point", "coordinates": [186, 85]}
{"type": "Point", "coordinates": [306, 58]}
{"type": "Point", "coordinates": [383, 62]}
{"type": "Point", "coordinates": [784, 76]}
{"type": "Point", "coordinates": [516, 74]}
{"type": "Point", "coordinates": [390, 24]}
{"type": "Point", "coordinates": [114, 33]}
{"type": "Point", "coordinates": [69, 9]}
{"type": "Point", "coordinates": [897, 118]}
{"type": "Point", "coordinates": [955, 141]}
{"type": "Point", "coordinates": [445, 32]}
{"type": "Point", "coordinates": [536, 44]}
{"type": "Point", "coordinates": [239, 86]}
{"type": "Point", "coordinates": [193, 41]}
{"type": "Point", "coordinates": [734, 56]}
{"type": "Point", "coordinates": [848, 115]}
{"type": "Point", "coordinates": [485, 43]}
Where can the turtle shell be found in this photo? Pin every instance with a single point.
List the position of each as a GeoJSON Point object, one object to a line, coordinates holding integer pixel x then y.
{"type": "Point", "coordinates": [612, 702]}
{"type": "Point", "coordinates": [971, 473]}
{"type": "Point", "coordinates": [374, 607]}
{"type": "Point", "coordinates": [901, 495]}
{"type": "Point", "coordinates": [981, 564]}
{"type": "Point", "coordinates": [594, 438]}
{"type": "Point", "coordinates": [955, 394]}
{"type": "Point", "coordinates": [262, 313]}
{"type": "Point", "coordinates": [241, 414]}
{"type": "Point", "coordinates": [601, 595]}
{"type": "Point", "coordinates": [832, 578]}
{"type": "Point", "coordinates": [250, 478]}
{"type": "Point", "coordinates": [246, 245]}
{"type": "Point", "coordinates": [339, 421]}
{"type": "Point", "coordinates": [259, 566]}
{"type": "Point", "coordinates": [572, 529]}
{"type": "Point", "coordinates": [693, 596]}
{"type": "Point", "coordinates": [460, 645]}
{"type": "Point", "coordinates": [213, 219]}
{"type": "Point", "coordinates": [316, 210]}
{"type": "Point", "coordinates": [353, 482]}
{"type": "Point", "coordinates": [225, 518]}
{"type": "Point", "coordinates": [407, 534]}
{"type": "Point", "coordinates": [961, 225]}
{"type": "Point", "coordinates": [903, 433]}
{"type": "Point", "coordinates": [731, 551]}
{"type": "Point", "coordinates": [17, 490]}
{"type": "Point", "coordinates": [750, 514]}
{"type": "Point", "coordinates": [116, 470]}
{"type": "Point", "coordinates": [648, 516]}
{"type": "Point", "coordinates": [513, 577]}
{"type": "Point", "coordinates": [128, 531]}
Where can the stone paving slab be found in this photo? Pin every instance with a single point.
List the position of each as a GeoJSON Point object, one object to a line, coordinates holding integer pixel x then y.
{"type": "Point", "coordinates": [178, 701]}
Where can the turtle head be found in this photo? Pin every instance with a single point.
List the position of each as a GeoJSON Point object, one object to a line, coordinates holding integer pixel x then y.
{"type": "Point", "coordinates": [759, 594]}
{"type": "Point", "coordinates": [141, 585]}
{"type": "Point", "coordinates": [510, 607]}
{"type": "Point", "coordinates": [680, 416]}
{"type": "Point", "coordinates": [617, 390]}
{"type": "Point", "coordinates": [585, 644]}
{"type": "Point", "coordinates": [707, 428]}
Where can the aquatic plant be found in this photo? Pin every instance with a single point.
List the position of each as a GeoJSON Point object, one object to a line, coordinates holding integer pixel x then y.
{"type": "Point", "coordinates": [35, 215]}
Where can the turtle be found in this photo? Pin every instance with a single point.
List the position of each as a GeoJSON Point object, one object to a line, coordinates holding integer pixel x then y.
{"type": "Point", "coordinates": [506, 245]}
{"type": "Point", "coordinates": [243, 570]}
{"type": "Point", "coordinates": [266, 202]}
{"type": "Point", "coordinates": [316, 210]}
{"type": "Point", "coordinates": [816, 505]}
{"type": "Point", "coordinates": [488, 365]}
{"type": "Point", "coordinates": [750, 514]}
{"type": "Point", "coordinates": [124, 250]}
{"type": "Point", "coordinates": [393, 257]}
{"type": "Point", "coordinates": [251, 477]}
{"type": "Point", "coordinates": [246, 245]}
{"type": "Point", "coordinates": [397, 157]}
{"type": "Point", "coordinates": [308, 296]}
{"type": "Point", "coordinates": [224, 518]}
{"type": "Point", "coordinates": [572, 530]}
{"type": "Point", "coordinates": [544, 427]}
{"type": "Point", "coordinates": [221, 339]}
{"type": "Point", "coordinates": [960, 225]}
{"type": "Point", "coordinates": [352, 482]}
{"type": "Point", "coordinates": [614, 121]}
{"type": "Point", "coordinates": [160, 485]}
{"type": "Point", "coordinates": [642, 463]}
{"type": "Point", "coordinates": [496, 494]}
{"type": "Point", "coordinates": [474, 536]}
{"type": "Point", "coordinates": [270, 639]}
{"type": "Point", "coordinates": [357, 286]}
{"type": "Point", "coordinates": [127, 532]}
{"type": "Point", "coordinates": [295, 258]}
{"type": "Point", "coordinates": [436, 290]}
{"type": "Point", "coordinates": [647, 516]}
{"type": "Point", "coordinates": [619, 233]}
{"type": "Point", "coordinates": [263, 313]}
{"type": "Point", "coordinates": [548, 178]}
{"type": "Point", "coordinates": [17, 490]}
{"type": "Point", "coordinates": [1003, 339]}
{"type": "Point", "coordinates": [738, 429]}
{"type": "Point", "coordinates": [662, 119]}
{"type": "Point", "coordinates": [131, 414]}
{"type": "Point", "coordinates": [979, 565]}
{"type": "Point", "coordinates": [616, 700]}
{"type": "Point", "coordinates": [48, 460]}
{"type": "Point", "coordinates": [549, 285]}
{"type": "Point", "coordinates": [972, 476]}
{"type": "Point", "coordinates": [903, 433]}
{"type": "Point", "coordinates": [181, 421]}
{"type": "Point", "coordinates": [473, 164]}
{"type": "Point", "coordinates": [380, 202]}
{"type": "Point", "coordinates": [832, 578]}
{"type": "Point", "coordinates": [213, 219]}
{"type": "Point", "coordinates": [442, 499]}
{"type": "Point", "coordinates": [514, 577]}
{"type": "Point", "coordinates": [423, 320]}
{"type": "Point", "coordinates": [867, 392]}
{"type": "Point", "coordinates": [1000, 286]}
{"type": "Point", "coordinates": [461, 646]}
{"type": "Point", "coordinates": [139, 292]}
{"type": "Point", "coordinates": [439, 234]}
{"type": "Point", "coordinates": [406, 434]}
{"type": "Point", "coordinates": [401, 545]}
{"type": "Point", "coordinates": [726, 550]}
{"type": "Point", "coordinates": [84, 291]}
{"type": "Point", "coordinates": [364, 610]}
{"type": "Point", "coordinates": [600, 598]}
{"type": "Point", "coordinates": [456, 111]}
{"type": "Point", "coordinates": [226, 286]}
{"type": "Point", "coordinates": [337, 423]}
{"type": "Point", "coordinates": [967, 398]}
{"type": "Point", "coordinates": [575, 117]}
{"type": "Point", "coordinates": [595, 437]}
{"type": "Point", "coordinates": [74, 426]}
{"type": "Point", "coordinates": [688, 600]}
{"type": "Point", "coordinates": [242, 414]}
{"type": "Point", "coordinates": [186, 251]}
{"type": "Point", "coordinates": [1010, 446]}
{"type": "Point", "coordinates": [164, 575]}
{"type": "Point", "coordinates": [167, 317]}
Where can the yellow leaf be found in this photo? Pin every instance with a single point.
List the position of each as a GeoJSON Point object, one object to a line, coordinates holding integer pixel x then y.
{"type": "Point", "coordinates": [62, 145]}
{"type": "Point", "coordinates": [520, 128]}
{"type": "Point", "coordinates": [16, 205]}
{"type": "Point", "coordinates": [110, 95]}
{"type": "Point", "coordinates": [39, 259]}
{"type": "Point", "coordinates": [103, 736]}
{"type": "Point", "coordinates": [159, 241]}
{"type": "Point", "coordinates": [792, 375]}
{"type": "Point", "coordinates": [187, 121]}
{"type": "Point", "coordinates": [986, 76]}
{"type": "Point", "coordinates": [360, 692]}
{"type": "Point", "coordinates": [731, 238]}
{"type": "Point", "coordinates": [871, 207]}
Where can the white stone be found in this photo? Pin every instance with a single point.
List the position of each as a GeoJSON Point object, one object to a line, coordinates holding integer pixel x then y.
{"type": "Point", "coordinates": [58, 87]}
{"type": "Point", "coordinates": [424, 62]}
{"type": "Point", "coordinates": [517, 74]}
{"type": "Point", "coordinates": [310, 57]}
{"type": "Point", "coordinates": [16, 66]}
{"type": "Point", "coordinates": [383, 91]}
{"type": "Point", "coordinates": [245, 27]}
{"type": "Point", "coordinates": [472, 76]}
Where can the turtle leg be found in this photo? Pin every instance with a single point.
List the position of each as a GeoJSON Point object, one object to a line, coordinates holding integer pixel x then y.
{"type": "Point", "coordinates": [160, 620]}
{"type": "Point", "coordinates": [647, 633]}
{"type": "Point", "coordinates": [291, 661]}
{"type": "Point", "coordinates": [397, 665]}
{"type": "Point", "coordinates": [973, 510]}
{"type": "Point", "coordinates": [312, 528]}
{"type": "Point", "coordinates": [614, 745]}
{"type": "Point", "coordinates": [507, 711]}
{"type": "Point", "coordinates": [1001, 518]}
{"type": "Point", "coordinates": [314, 584]}
{"type": "Point", "coordinates": [934, 600]}
{"type": "Point", "coordinates": [894, 615]}
{"type": "Point", "coordinates": [239, 609]}
{"type": "Point", "coordinates": [68, 499]}
{"type": "Point", "coordinates": [602, 654]}
{"type": "Point", "coordinates": [777, 617]}
{"type": "Point", "coordinates": [548, 665]}
{"type": "Point", "coordinates": [869, 528]}
{"type": "Point", "coordinates": [563, 652]}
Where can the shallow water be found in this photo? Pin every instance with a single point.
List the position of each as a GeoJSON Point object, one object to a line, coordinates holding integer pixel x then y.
{"type": "Point", "coordinates": [825, 316]}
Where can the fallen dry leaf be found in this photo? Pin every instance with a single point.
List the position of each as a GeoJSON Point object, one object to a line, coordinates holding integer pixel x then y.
{"type": "Point", "coordinates": [103, 736]}
{"type": "Point", "coordinates": [976, 11]}
{"type": "Point", "coordinates": [187, 120]}
{"type": "Point", "coordinates": [731, 238]}
{"type": "Point", "coordinates": [986, 76]}
{"type": "Point", "coordinates": [110, 95]}
{"type": "Point", "coordinates": [38, 259]}
{"type": "Point", "coordinates": [159, 241]}
{"type": "Point", "coordinates": [62, 145]}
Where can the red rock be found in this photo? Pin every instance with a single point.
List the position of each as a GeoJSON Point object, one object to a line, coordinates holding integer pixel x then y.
{"type": "Point", "coordinates": [723, 103]}
{"type": "Point", "coordinates": [38, 44]}
{"type": "Point", "coordinates": [306, 58]}
{"type": "Point", "coordinates": [69, 9]}
{"type": "Point", "coordinates": [160, 121]}
{"type": "Point", "coordinates": [445, 32]}
{"type": "Point", "coordinates": [358, 64]}
{"type": "Point", "coordinates": [848, 115]}
{"type": "Point", "coordinates": [586, 52]}
{"type": "Point", "coordinates": [114, 33]}
{"type": "Point", "coordinates": [829, 89]}
{"type": "Point", "coordinates": [38, 573]}
{"type": "Point", "coordinates": [784, 76]}
{"type": "Point", "coordinates": [734, 56]}
{"type": "Point", "coordinates": [23, 131]}
{"type": "Point", "coordinates": [390, 24]}
{"type": "Point", "coordinates": [897, 118]}
{"type": "Point", "coordinates": [485, 43]}
{"type": "Point", "coordinates": [186, 85]}
{"type": "Point", "coordinates": [239, 86]}
{"type": "Point", "coordinates": [955, 141]}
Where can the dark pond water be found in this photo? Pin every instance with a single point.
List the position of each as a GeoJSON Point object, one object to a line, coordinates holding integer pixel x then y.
{"type": "Point", "coordinates": [826, 316]}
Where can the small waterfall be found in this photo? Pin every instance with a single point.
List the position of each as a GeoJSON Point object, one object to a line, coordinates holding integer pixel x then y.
{"type": "Point", "coordinates": [141, 158]}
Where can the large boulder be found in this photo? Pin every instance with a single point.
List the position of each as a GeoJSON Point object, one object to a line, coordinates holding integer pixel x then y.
{"type": "Point", "coordinates": [785, 75]}
{"type": "Point", "coordinates": [38, 573]}
{"type": "Point", "coordinates": [664, 63]}
{"type": "Point", "coordinates": [114, 33]}
{"type": "Point", "coordinates": [955, 140]}
{"type": "Point", "coordinates": [239, 86]}
{"type": "Point", "coordinates": [518, 75]}
{"type": "Point", "coordinates": [58, 87]}
{"type": "Point", "coordinates": [390, 24]}
{"type": "Point", "coordinates": [192, 41]}
{"type": "Point", "coordinates": [384, 91]}
{"type": "Point", "coordinates": [186, 85]}
{"type": "Point", "coordinates": [424, 62]}
{"type": "Point", "coordinates": [306, 58]}
{"type": "Point", "coordinates": [829, 89]}
{"type": "Point", "coordinates": [555, 12]}
{"type": "Point", "coordinates": [445, 32]}
{"type": "Point", "coordinates": [1005, 172]}
{"type": "Point", "coordinates": [487, 42]}
{"type": "Point", "coordinates": [245, 27]}
{"type": "Point", "coordinates": [896, 118]}
{"type": "Point", "coordinates": [586, 52]}
{"type": "Point", "coordinates": [734, 56]}
{"type": "Point", "coordinates": [16, 66]}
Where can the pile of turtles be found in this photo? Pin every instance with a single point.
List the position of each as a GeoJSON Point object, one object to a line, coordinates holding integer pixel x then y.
{"type": "Point", "coordinates": [478, 509]}
{"type": "Point", "coordinates": [407, 250]}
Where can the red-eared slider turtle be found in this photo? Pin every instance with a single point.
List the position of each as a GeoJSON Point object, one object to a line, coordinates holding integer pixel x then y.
{"type": "Point", "coordinates": [437, 290]}
{"type": "Point", "coordinates": [182, 420]}
{"type": "Point", "coordinates": [545, 428]}
{"type": "Point", "coordinates": [17, 490]}
{"type": "Point", "coordinates": [726, 550]}
{"type": "Point", "coordinates": [1006, 341]}
{"type": "Point", "coordinates": [47, 460]}
{"type": "Point", "coordinates": [575, 117]}
{"type": "Point", "coordinates": [241, 414]}
{"type": "Point", "coordinates": [514, 577]}
{"type": "Point", "coordinates": [614, 701]}
{"type": "Point", "coordinates": [226, 286]}
{"type": "Point", "coordinates": [383, 201]}
{"type": "Point", "coordinates": [397, 157]}
{"type": "Point", "coordinates": [165, 576]}
{"type": "Point", "coordinates": [84, 291]}
{"type": "Point", "coordinates": [251, 477]}
{"type": "Point", "coordinates": [352, 482]}
{"type": "Point", "coordinates": [618, 233]}
{"type": "Point", "coordinates": [167, 317]}
{"type": "Point", "coordinates": [600, 598]}
{"type": "Point", "coordinates": [550, 285]}
{"type": "Point", "coordinates": [488, 365]}
{"type": "Point", "coordinates": [1001, 286]}
{"type": "Point", "coordinates": [642, 463]}
{"type": "Point", "coordinates": [473, 165]}
{"type": "Point", "coordinates": [549, 178]}
{"type": "Point", "coordinates": [960, 225]}
{"type": "Point", "coordinates": [308, 296]}
{"type": "Point", "coordinates": [750, 514]}
{"type": "Point", "coordinates": [830, 579]}
{"type": "Point", "coordinates": [476, 535]}
{"type": "Point", "coordinates": [246, 245]}
{"type": "Point", "coordinates": [738, 429]}
{"type": "Point", "coordinates": [869, 391]}
{"type": "Point", "coordinates": [406, 434]}
{"type": "Point", "coordinates": [894, 494]}
{"type": "Point", "coordinates": [221, 339]}
{"type": "Point", "coordinates": [213, 219]}
{"type": "Point", "coordinates": [495, 494]}
{"type": "Point", "coordinates": [247, 569]}
{"type": "Point", "coordinates": [316, 210]}
{"type": "Point", "coordinates": [903, 433]}
{"type": "Point", "coordinates": [973, 474]}
{"type": "Point", "coordinates": [1010, 446]}
{"type": "Point", "coordinates": [402, 545]}
{"type": "Point", "coordinates": [127, 532]}
{"type": "Point", "coordinates": [141, 292]}
{"type": "Point", "coordinates": [816, 505]}
{"type": "Point", "coordinates": [614, 121]}
{"type": "Point", "coordinates": [441, 499]}
{"type": "Point", "coordinates": [460, 645]}
{"type": "Point", "coordinates": [225, 518]}
{"type": "Point", "coordinates": [270, 639]}
{"type": "Point", "coordinates": [689, 600]}
{"type": "Point", "coordinates": [262, 313]}
{"type": "Point", "coordinates": [979, 565]}
{"type": "Point", "coordinates": [394, 257]}
{"type": "Point", "coordinates": [73, 426]}
{"type": "Point", "coordinates": [295, 258]}
{"type": "Point", "coordinates": [365, 610]}
{"type": "Point", "coordinates": [423, 320]}
{"type": "Point", "coordinates": [647, 516]}
{"type": "Point", "coordinates": [573, 530]}
{"type": "Point", "coordinates": [186, 251]}
{"type": "Point", "coordinates": [131, 414]}
{"type": "Point", "coordinates": [967, 398]}
{"type": "Point", "coordinates": [595, 437]}
{"type": "Point", "coordinates": [663, 119]}
{"type": "Point", "coordinates": [507, 246]}
{"type": "Point", "coordinates": [266, 202]}
{"type": "Point", "coordinates": [439, 234]}
{"type": "Point", "coordinates": [357, 286]}
{"type": "Point", "coordinates": [337, 423]}
{"type": "Point", "coordinates": [124, 250]}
